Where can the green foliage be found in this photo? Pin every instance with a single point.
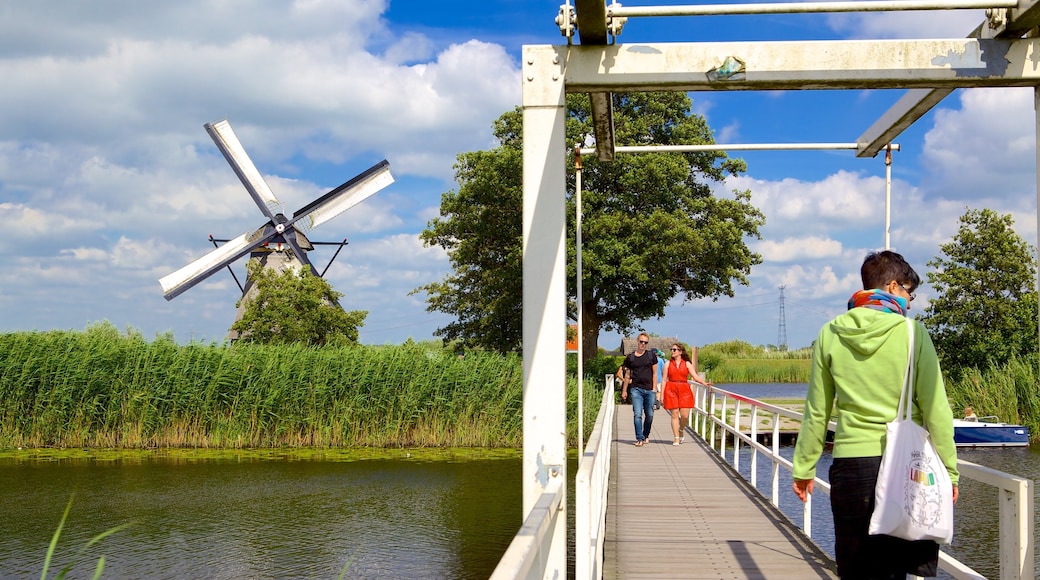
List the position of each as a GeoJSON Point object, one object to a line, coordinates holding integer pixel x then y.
{"type": "Point", "coordinates": [985, 311]}
{"type": "Point", "coordinates": [741, 349]}
{"type": "Point", "coordinates": [291, 307]}
{"type": "Point", "coordinates": [102, 389]}
{"type": "Point", "coordinates": [732, 349]}
{"type": "Point", "coordinates": [652, 228]}
{"type": "Point", "coordinates": [708, 361]}
{"type": "Point", "coordinates": [600, 366]}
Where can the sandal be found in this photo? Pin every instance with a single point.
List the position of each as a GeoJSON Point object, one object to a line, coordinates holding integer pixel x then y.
{"type": "Point", "coordinates": [676, 441]}
{"type": "Point", "coordinates": [639, 443]}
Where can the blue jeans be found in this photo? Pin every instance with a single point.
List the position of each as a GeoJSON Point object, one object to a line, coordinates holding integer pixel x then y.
{"type": "Point", "coordinates": [642, 403]}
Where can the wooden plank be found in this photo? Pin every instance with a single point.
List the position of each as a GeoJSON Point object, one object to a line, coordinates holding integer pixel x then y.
{"type": "Point", "coordinates": [679, 511]}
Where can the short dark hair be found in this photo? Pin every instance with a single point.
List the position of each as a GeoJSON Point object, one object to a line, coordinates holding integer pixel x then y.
{"type": "Point", "coordinates": [879, 268]}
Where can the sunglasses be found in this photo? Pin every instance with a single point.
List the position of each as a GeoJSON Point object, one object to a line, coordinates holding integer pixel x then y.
{"type": "Point", "coordinates": [644, 342]}
{"type": "Point", "coordinates": [676, 350]}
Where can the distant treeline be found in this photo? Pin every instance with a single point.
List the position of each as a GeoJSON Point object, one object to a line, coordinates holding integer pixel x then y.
{"type": "Point", "coordinates": [104, 388]}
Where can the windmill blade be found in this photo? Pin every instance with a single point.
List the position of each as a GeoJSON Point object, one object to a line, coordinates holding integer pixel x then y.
{"type": "Point", "coordinates": [175, 283]}
{"type": "Point", "coordinates": [224, 136]}
{"type": "Point", "coordinates": [343, 197]}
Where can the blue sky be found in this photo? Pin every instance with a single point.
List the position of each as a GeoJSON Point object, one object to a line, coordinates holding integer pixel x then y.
{"type": "Point", "coordinates": [108, 180]}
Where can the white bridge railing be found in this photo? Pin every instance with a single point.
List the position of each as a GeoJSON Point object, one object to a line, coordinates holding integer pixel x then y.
{"type": "Point", "coordinates": [527, 554]}
{"type": "Point", "coordinates": [590, 491]}
{"type": "Point", "coordinates": [717, 421]}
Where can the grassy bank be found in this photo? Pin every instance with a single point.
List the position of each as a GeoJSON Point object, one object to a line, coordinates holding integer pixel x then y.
{"type": "Point", "coordinates": [103, 388]}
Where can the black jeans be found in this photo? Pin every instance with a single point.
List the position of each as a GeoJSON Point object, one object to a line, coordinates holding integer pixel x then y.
{"type": "Point", "coordinates": [861, 556]}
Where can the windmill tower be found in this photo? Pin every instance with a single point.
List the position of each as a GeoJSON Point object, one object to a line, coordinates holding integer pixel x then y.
{"type": "Point", "coordinates": [280, 242]}
{"type": "Point", "coordinates": [781, 337]}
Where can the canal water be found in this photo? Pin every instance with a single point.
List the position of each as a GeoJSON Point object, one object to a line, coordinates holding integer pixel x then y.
{"type": "Point", "coordinates": [976, 536]}
{"type": "Point", "coordinates": [257, 517]}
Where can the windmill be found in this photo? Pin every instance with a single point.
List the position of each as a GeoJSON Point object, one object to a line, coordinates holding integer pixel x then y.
{"type": "Point", "coordinates": [281, 242]}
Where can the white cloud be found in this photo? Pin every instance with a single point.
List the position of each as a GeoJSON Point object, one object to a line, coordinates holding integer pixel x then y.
{"type": "Point", "coordinates": [907, 24]}
{"type": "Point", "coordinates": [794, 249]}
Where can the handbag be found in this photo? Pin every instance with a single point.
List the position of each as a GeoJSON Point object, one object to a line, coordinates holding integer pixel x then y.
{"type": "Point", "coordinates": [914, 494]}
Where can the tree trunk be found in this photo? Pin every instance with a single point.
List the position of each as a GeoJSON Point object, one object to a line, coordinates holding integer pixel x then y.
{"type": "Point", "coordinates": [590, 324]}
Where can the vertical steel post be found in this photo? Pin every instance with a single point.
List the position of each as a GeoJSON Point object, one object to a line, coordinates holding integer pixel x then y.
{"type": "Point", "coordinates": [888, 196]}
{"type": "Point", "coordinates": [578, 276]}
{"type": "Point", "coordinates": [1036, 123]}
{"type": "Point", "coordinates": [545, 287]}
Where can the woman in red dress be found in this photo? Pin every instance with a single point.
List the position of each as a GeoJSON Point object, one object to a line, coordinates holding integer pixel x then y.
{"type": "Point", "coordinates": [677, 391]}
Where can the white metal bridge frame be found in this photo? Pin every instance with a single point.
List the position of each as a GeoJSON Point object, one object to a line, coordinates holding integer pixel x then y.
{"type": "Point", "coordinates": [1000, 52]}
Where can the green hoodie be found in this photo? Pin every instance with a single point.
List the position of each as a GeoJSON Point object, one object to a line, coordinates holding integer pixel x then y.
{"type": "Point", "coordinates": [859, 359]}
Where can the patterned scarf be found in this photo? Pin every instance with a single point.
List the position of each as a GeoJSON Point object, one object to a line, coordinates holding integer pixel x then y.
{"type": "Point", "coordinates": [878, 300]}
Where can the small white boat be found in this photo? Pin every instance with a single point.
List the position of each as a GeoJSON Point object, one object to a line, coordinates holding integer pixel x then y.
{"type": "Point", "coordinates": [989, 433]}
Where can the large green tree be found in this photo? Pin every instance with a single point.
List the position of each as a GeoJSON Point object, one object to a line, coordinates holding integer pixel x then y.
{"type": "Point", "coordinates": [985, 310]}
{"type": "Point", "coordinates": [652, 228]}
{"type": "Point", "coordinates": [295, 306]}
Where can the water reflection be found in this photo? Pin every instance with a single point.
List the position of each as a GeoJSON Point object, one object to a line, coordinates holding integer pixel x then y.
{"type": "Point", "coordinates": [262, 518]}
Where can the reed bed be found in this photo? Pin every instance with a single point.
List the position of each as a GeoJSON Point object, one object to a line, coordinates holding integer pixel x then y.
{"type": "Point", "coordinates": [1007, 391]}
{"type": "Point", "coordinates": [746, 370]}
{"type": "Point", "coordinates": [101, 388]}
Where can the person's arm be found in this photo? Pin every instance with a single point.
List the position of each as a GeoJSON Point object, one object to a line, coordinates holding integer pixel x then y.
{"type": "Point", "coordinates": [819, 401]}
{"type": "Point", "coordinates": [653, 376]}
{"type": "Point", "coordinates": [696, 378]}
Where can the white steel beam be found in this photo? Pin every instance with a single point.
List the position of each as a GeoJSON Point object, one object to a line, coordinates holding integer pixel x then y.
{"type": "Point", "coordinates": [863, 64]}
{"type": "Point", "coordinates": [804, 7]}
{"type": "Point", "coordinates": [916, 102]}
{"type": "Point", "coordinates": [545, 288]}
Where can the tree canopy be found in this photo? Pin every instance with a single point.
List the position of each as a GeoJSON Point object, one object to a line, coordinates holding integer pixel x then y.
{"type": "Point", "coordinates": [652, 227]}
{"type": "Point", "coordinates": [295, 306]}
{"type": "Point", "coordinates": [986, 308]}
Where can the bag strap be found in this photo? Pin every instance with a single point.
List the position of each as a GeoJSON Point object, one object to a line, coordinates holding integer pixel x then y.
{"type": "Point", "coordinates": [906, 396]}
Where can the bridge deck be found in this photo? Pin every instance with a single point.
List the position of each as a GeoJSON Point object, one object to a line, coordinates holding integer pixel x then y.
{"type": "Point", "coordinates": [679, 512]}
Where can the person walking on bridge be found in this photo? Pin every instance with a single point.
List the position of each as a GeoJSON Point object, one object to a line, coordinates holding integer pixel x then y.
{"type": "Point", "coordinates": [642, 371]}
{"type": "Point", "coordinates": [858, 363]}
{"type": "Point", "coordinates": [678, 396]}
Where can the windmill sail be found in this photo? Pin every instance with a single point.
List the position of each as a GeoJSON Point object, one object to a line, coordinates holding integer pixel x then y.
{"type": "Point", "coordinates": [278, 227]}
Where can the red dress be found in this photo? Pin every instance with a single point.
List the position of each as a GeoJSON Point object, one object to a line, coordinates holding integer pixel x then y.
{"type": "Point", "coordinates": [677, 391]}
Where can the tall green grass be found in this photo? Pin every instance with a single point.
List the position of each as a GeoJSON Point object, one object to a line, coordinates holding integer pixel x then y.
{"type": "Point", "coordinates": [761, 371]}
{"type": "Point", "coordinates": [103, 388]}
{"type": "Point", "coordinates": [736, 361]}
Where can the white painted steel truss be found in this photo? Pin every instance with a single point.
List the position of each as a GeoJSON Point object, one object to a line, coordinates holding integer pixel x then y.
{"type": "Point", "coordinates": [994, 57]}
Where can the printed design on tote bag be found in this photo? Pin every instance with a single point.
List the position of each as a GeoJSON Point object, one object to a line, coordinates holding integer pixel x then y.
{"type": "Point", "coordinates": [923, 499]}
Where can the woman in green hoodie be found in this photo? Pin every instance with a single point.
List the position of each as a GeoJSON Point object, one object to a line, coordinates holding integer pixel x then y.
{"type": "Point", "coordinates": [859, 360]}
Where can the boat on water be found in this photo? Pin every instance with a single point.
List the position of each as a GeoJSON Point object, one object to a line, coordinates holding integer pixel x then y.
{"type": "Point", "coordinates": [988, 432]}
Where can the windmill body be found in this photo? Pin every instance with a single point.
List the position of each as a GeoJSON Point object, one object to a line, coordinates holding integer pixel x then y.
{"type": "Point", "coordinates": [280, 242]}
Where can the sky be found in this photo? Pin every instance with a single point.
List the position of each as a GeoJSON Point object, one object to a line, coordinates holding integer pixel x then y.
{"type": "Point", "coordinates": [108, 180]}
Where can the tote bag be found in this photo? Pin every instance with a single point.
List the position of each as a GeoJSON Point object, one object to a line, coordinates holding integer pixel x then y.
{"type": "Point", "coordinates": [914, 495]}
